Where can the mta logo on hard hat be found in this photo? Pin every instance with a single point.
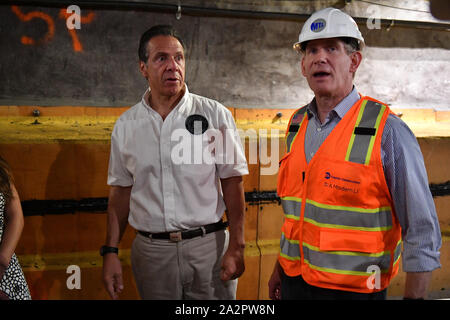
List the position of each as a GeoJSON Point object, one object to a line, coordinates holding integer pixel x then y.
{"type": "Point", "coordinates": [318, 25]}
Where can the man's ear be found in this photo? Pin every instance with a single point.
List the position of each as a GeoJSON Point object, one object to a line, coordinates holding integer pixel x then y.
{"type": "Point", "coordinates": [143, 69]}
{"type": "Point", "coordinates": [302, 66]}
{"type": "Point", "coordinates": [356, 58]}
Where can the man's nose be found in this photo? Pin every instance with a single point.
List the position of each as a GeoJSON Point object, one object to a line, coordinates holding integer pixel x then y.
{"type": "Point", "coordinates": [320, 56]}
{"type": "Point", "coordinates": [172, 64]}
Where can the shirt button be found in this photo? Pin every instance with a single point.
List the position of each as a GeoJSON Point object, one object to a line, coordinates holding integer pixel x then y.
{"type": "Point", "coordinates": [319, 129]}
{"type": "Point", "coordinates": [312, 154]}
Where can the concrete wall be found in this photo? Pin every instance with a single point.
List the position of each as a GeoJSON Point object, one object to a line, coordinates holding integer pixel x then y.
{"type": "Point", "coordinates": [241, 62]}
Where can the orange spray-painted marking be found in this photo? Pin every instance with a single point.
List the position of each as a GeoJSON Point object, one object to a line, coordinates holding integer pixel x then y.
{"type": "Point", "coordinates": [25, 17]}
{"type": "Point", "coordinates": [75, 41]}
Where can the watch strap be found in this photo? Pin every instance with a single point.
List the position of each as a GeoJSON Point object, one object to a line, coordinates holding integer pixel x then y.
{"type": "Point", "coordinates": [106, 249]}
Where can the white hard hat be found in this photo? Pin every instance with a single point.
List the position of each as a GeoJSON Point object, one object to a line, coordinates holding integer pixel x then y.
{"type": "Point", "coordinates": [329, 23]}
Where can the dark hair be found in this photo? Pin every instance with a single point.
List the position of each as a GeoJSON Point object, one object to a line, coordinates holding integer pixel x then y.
{"type": "Point", "coordinates": [6, 179]}
{"type": "Point", "coordinates": [352, 42]}
{"type": "Point", "coordinates": [158, 30]}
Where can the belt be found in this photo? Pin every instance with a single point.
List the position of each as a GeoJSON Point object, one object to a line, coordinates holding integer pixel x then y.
{"type": "Point", "coordinates": [187, 234]}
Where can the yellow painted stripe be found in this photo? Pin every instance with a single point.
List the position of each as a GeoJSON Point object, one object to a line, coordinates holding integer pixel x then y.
{"type": "Point", "coordinates": [251, 249]}
{"type": "Point", "coordinates": [269, 246]}
{"type": "Point", "coordinates": [60, 261]}
{"type": "Point", "coordinates": [92, 259]}
{"type": "Point", "coordinates": [56, 129]}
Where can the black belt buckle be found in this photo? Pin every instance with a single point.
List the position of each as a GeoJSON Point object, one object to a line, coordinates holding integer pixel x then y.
{"type": "Point", "coordinates": [175, 236]}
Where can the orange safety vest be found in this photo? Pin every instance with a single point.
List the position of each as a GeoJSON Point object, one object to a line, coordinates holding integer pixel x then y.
{"type": "Point", "coordinates": [340, 229]}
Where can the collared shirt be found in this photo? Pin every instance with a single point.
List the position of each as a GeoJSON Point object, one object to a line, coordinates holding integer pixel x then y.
{"type": "Point", "coordinates": [406, 178]}
{"type": "Point", "coordinates": [174, 173]}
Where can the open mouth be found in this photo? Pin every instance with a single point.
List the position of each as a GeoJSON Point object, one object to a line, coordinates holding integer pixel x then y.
{"type": "Point", "coordinates": [172, 79]}
{"type": "Point", "coordinates": [321, 74]}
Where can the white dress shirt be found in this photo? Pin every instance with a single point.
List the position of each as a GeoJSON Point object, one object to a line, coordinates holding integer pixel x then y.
{"type": "Point", "coordinates": [175, 174]}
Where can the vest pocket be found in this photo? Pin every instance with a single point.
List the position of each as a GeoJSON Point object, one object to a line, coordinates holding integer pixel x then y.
{"type": "Point", "coordinates": [350, 240]}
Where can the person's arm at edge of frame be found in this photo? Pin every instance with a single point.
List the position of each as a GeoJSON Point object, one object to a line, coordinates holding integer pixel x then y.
{"type": "Point", "coordinates": [233, 261]}
{"type": "Point", "coordinates": [117, 220]}
{"type": "Point", "coordinates": [13, 224]}
{"type": "Point", "coordinates": [416, 285]}
{"type": "Point", "coordinates": [275, 282]}
{"type": "Point", "coordinates": [417, 282]}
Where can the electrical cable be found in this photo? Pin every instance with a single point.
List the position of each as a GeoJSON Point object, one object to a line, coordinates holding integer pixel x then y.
{"type": "Point", "coordinates": [215, 12]}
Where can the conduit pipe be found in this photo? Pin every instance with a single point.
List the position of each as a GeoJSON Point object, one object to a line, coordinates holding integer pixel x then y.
{"type": "Point", "coordinates": [213, 12]}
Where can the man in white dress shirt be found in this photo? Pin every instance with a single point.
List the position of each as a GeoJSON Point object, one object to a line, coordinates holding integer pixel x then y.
{"type": "Point", "coordinates": [175, 167]}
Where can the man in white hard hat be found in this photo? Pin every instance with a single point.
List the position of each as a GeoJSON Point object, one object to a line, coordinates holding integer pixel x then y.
{"type": "Point", "coordinates": [353, 185]}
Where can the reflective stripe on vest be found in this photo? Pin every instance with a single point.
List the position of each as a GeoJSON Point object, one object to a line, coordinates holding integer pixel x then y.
{"type": "Point", "coordinates": [289, 248]}
{"type": "Point", "coordinates": [398, 252]}
{"type": "Point", "coordinates": [295, 124]}
{"type": "Point", "coordinates": [330, 216]}
{"type": "Point", "coordinates": [291, 207]}
{"type": "Point", "coordinates": [362, 140]}
{"type": "Point", "coordinates": [348, 262]}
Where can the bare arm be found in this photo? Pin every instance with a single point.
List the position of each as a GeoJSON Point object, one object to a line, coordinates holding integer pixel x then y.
{"type": "Point", "coordinates": [117, 221]}
{"type": "Point", "coordinates": [233, 261]}
{"type": "Point", "coordinates": [118, 210]}
{"type": "Point", "coordinates": [275, 282]}
{"type": "Point", "coordinates": [12, 229]}
{"type": "Point", "coordinates": [416, 284]}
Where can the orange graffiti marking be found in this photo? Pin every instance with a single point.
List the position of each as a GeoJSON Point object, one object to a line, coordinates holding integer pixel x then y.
{"type": "Point", "coordinates": [25, 17]}
{"type": "Point", "coordinates": [75, 41]}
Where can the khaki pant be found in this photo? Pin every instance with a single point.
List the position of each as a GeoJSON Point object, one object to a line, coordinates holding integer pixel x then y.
{"type": "Point", "coordinates": [189, 269]}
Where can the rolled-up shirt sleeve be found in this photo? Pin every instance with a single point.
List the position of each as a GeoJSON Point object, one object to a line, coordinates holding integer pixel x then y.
{"type": "Point", "coordinates": [118, 175]}
{"type": "Point", "coordinates": [407, 181]}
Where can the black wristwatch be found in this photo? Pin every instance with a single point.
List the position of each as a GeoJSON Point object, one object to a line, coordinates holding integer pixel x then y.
{"type": "Point", "coordinates": [105, 249]}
